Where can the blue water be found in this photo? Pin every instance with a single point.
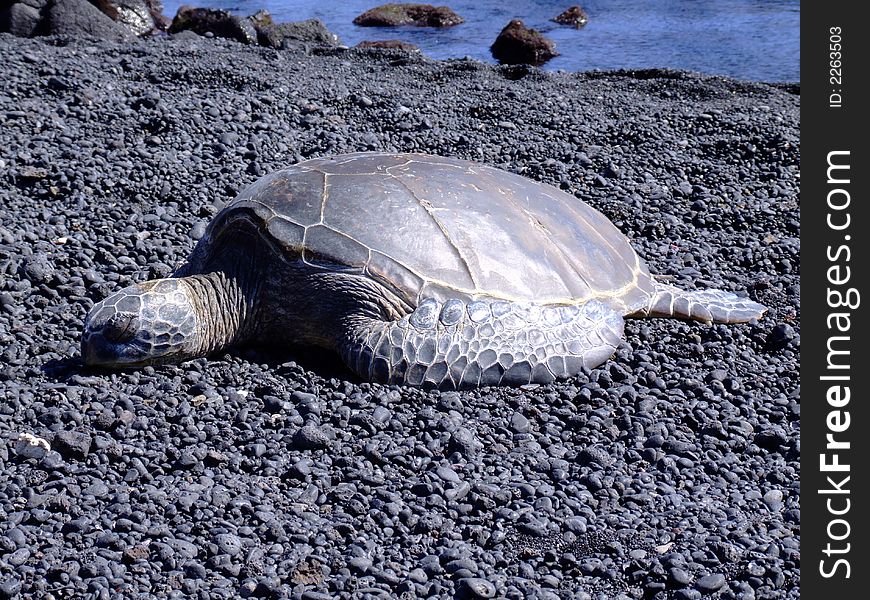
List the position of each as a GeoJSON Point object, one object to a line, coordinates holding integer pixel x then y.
{"type": "Point", "coordinates": [747, 39]}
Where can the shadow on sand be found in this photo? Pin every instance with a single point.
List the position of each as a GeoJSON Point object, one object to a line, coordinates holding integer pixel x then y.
{"type": "Point", "coordinates": [323, 363]}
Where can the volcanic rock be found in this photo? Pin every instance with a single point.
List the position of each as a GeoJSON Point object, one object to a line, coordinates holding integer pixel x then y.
{"type": "Point", "coordinates": [281, 35]}
{"type": "Point", "coordinates": [217, 22]}
{"type": "Point", "coordinates": [573, 16]}
{"type": "Point", "coordinates": [518, 44]}
{"type": "Point", "coordinates": [389, 45]}
{"type": "Point", "coordinates": [79, 18]}
{"type": "Point", "coordinates": [139, 16]}
{"type": "Point", "coordinates": [418, 15]}
{"type": "Point", "coordinates": [19, 19]}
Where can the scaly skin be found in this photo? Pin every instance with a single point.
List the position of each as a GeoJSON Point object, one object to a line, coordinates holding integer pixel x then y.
{"type": "Point", "coordinates": [707, 306]}
{"type": "Point", "coordinates": [457, 345]}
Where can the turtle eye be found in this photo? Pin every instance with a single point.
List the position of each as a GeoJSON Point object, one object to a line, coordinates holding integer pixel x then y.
{"type": "Point", "coordinates": [121, 328]}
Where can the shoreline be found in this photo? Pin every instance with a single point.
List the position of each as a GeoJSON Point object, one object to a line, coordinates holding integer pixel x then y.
{"type": "Point", "coordinates": [110, 20]}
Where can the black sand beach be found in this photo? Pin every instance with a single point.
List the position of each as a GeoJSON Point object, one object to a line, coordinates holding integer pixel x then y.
{"type": "Point", "coordinates": [669, 472]}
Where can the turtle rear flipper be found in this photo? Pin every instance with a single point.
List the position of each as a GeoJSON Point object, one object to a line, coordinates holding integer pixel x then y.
{"type": "Point", "coordinates": [457, 345]}
{"type": "Point", "coordinates": [707, 306]}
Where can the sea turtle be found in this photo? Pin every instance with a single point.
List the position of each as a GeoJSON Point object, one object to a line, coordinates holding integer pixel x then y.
{"type": "Point", "coordinates": [416, 269]}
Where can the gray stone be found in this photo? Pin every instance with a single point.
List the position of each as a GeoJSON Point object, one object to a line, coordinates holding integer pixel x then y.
{"type": "Point", "coordinates": [475, 587]}
{"type": "Point", "coordinates": [229, 544]}
{"type": "Point", "coordinates": [79, 18]}
{"type": "Point", "coordinates": [773, 500]}
{"type": "Point", "coordinates": [73, 444]}
{"type": "Point", "coordinates": [680, 576]}
{"type": "Point", "coordinates": [710, 583]}
{"type": "Point", "coordinates": [218, 23]}
{"type": "Point", "coordinates": [311, 437]}
{"type": "Point", "coordinates": [465, 443]}
{"type": "Point", "coordinates": [519, 423]}
{"type": "Point", "coordinates": [19, 19]}
{"type": "Point", "coordinates": [281, 35]}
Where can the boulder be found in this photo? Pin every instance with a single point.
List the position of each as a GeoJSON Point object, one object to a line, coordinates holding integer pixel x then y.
{"type": "Point", "coordinates": [281, 35]}
{"type": "Point", "coordinates": [389, 45]}
{"type": "Point", "coordinates": [573, 16]}
{"type": "Point", "coordinates": [418, 15]}
{"type": "Point", "coordinates": [80, 18]}
{"type": "Point", "coordinates": [155, 7]}
{"type": "Point", "coordinates": [139, 16]}
{"type": "Point", "coordinates": [219, 23]}
{"type": "Point", "coordinates": [518, 44]}
{"type": "Point", "coordinates": [70, 17]}
{"type": "Point", "coordinates": [37, 4]}
{"type": "Point", "coordinates": [19, 19]}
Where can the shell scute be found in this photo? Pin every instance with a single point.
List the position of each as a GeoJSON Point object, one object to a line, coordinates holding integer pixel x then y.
{"type": "Point", "coordinates": [289, 234]}
{"type": "Point", "coordinates": [325, 246]}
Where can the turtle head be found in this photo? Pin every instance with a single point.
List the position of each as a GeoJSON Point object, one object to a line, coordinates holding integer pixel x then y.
{"type": "Point", "coordinates": [148, 323]}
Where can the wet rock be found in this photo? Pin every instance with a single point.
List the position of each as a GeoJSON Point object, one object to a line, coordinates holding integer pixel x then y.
{"type": "Point", "coordinates": [518, 44]}
{"type": "Point", "coordinates": [573, 16]}
{"type": "Point", "coordinates": [389, 45]}
{"type": "Point", "coordinates": [418, 15]}
{"type": "Point", "coordinates": [139, 16]}
{"type": "Point", "coordinates": [282, 35]}
{"type": "Point", "coordinates": [218, 23]}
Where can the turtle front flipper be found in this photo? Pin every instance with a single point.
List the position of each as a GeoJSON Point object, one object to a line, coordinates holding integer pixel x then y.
{"type": "Point", "coordinates": [457, 345]}
{"type": "Point", "coordinates": [708, 306]}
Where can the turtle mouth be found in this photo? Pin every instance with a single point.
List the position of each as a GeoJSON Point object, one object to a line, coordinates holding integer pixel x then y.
{"type": "Point", "coordinates": [112, 348]}
{"type": "Point", "coordinates": [126, 351]}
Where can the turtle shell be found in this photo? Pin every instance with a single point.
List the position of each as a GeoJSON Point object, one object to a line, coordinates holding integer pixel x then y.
{"type": "Point", "coordinates": [430, 226]}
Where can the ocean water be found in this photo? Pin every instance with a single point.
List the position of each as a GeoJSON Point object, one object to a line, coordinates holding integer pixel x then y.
{"type": "Point", "coordinates": [748, 39]}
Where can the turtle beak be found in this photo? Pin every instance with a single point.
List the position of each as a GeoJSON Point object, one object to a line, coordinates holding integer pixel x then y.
{"type": "Point", "coordinates": [95, 352]}
{"type": "Point", "coordinates": [106, 335]}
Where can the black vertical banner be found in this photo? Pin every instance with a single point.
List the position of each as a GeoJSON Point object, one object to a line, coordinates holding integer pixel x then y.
{"type": "Point", "coordinates": [835, 424]}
